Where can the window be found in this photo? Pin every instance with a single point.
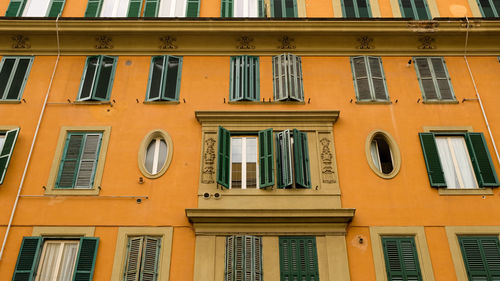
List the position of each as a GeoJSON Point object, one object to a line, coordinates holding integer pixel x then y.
{"type": "Point", "coordinates": [243, 258]}
{"type": "Point", "coordinates": [151, 8]}
{"type": "Point", "coordinates": [56, 260]}
{"type": "Point", "coordinates": [383, 154]}
{"type": "Point", "coordinates": [244, 82]}
{"type": "Point", "coordinates": [14, 73]}
{"type": "Point", "coordinates": [237, 165]}
{"type": "Point", "coordinates": [401, 260]}
{"type": "Point", "coordinates": [142, 258]}
{"type": "Point", "coordinates": [164, 78]}
{"type": "Point", "coordinates": [155, 154]}
{"type": "Point", "coordinates": [458, 160]}
{"type": "Point", "coordinates": [481, 256]}
{"type": "Point", "coordinates": [284, 8]}
{"type": "Point", "coordinates": [298, 258]}
{"type": "Point", "coordinates": [489, 8]}
{"type": "Point", "coordinates": [415, 9]}
{"type": "Point", "coordinates": [7, 142]}
{"type": "Point", "coordinates": [243, 8]}
{"type": "Point", "coordinates": [35, 8]}
{"type": "Point", "coordinates": [356, 9]}
{"type": "Point", "coordinates": [434, 80]}
{"type": "Point", "coordinates": [369, 79]}
{"type": "Point", "coordinates": [97, 79]}
{"type": "Point", "coordinates": [287, 74]}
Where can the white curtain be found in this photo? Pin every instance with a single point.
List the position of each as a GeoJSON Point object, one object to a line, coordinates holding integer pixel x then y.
{"type": "Point", "coordinates": [447, 162]}
{"type": "Point", "coordinates": [58, 261]}
{"type": "Point", "coordinates": [114, 8]}
{"type": "Point", "coordinates": [68, 262]}
{"type": "Point", "coordinates": [245, 8]}
{"type": "Point", "coordinates": [463, 162]}
{"type": "Point", "coordinates": [375, 156]}
{"type": "Point", "coordinates": [456, 162]}
{"type": "Point", "coordinates": [36, 8]}
{"type": "Point", "coordinates": [172, 8]}
{"type": "Point", "coordinates": [47, 272]}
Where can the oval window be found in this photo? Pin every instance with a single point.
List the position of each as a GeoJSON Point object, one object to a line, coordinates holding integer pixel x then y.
{"type": "Point", "coordinates": [155, 154]}
{"type": "Point", "coordinates": [383, 154]}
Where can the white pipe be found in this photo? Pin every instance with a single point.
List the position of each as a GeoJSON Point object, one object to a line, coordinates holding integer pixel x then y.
{"type": "Point", "coordinates": [477, 93]}
{"type": "Point", "coordinates": [33, 142]}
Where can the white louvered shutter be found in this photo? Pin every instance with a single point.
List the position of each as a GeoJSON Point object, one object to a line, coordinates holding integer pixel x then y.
{"type": "Point", "coordinates": [88, 161]}
{"type": "Point", "coordinates": [149, 270]}
{"type": "Point", "coordinates": [133, 259]}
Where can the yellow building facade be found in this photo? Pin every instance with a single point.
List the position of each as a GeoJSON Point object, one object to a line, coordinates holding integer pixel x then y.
{"type": "Point", "coordinates": [206, 141]}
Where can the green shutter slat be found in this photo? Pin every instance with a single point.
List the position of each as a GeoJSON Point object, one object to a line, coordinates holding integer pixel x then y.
{"type": "Point", "coordinates": [301, 159]}
{"type": "Point", "coordinates": [104, 78]}
{"type": "Point", "coordinates": [16, 8]}
{"type": "Point", "coordinates": [432, 162]}
{"type": "Point", "coordinates": [298, 258]}
{"type": "Point", "coordinates": [134, 8]}
{"type": "Point", "coordinates": [262, 9]}
{"type": "Point", "coordinates": [223, 154]}
{"type": "Point", "coordinates": [348, 9]}
{"type": "Point", "coordinates": [89, 76]}
{"type": "Point", "coordinates": [283, 159]}
{"type": "Point", "coordinates": [68, 167]}
{"type": "Point", "coordinates": [481, 256]}
{"type": "Point", "coordinates": [133, 259]}
{"type": "Point", "coordinates": [85, 262]}
{"type": "Point", "coordinates": [171, 78]}
{"type": "Point", "coordinates": [227, 8]}
{"type": "Point", "coordinates": [266, 158]}
{"type": "Point", "coordinates": [27, 259]}
{"type": "Point", "coordinates": [151, 253]}
{"type": "Point", "coordinates": [401, 260]}
{"type": "Point", "coordinates": [257, 258]}
{"type": "Point", "coordinates": [8, 64]}
{"type": "Point", "coordinates": [88, 160]}
{"type": "Point", "coordinates": [442, 79]}
{"type": "Point", "coordinates": [6, 152]}
{"type": "Point", "coordinates": [151, 8]}
{"type": "Point", "coordinates": [481, 160]}
{"type": "Point", "coordinates": [193, 8]}
{"type": "Point", "coordinates": [56, 8]}
{"type": "Point", "coordinates": [93, 8]}
{"type": "Point", "coordinates": [244, 78]}
{"type": "Point", "coordinates": [364, 9]}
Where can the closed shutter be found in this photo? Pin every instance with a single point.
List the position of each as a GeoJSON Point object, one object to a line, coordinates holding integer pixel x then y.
{"type": "Point", "coordinates": [280, 78]}
{"type": "Point", "coordinates": [93, 8]}
{"type": "Point", "coordinates": [481, 160]}
{"type": "Point", "coordinates": [18, 80]}
{"type": "Point", "coordinates": [401, 260]}
{"type": "Point", "coordinates": [266, 158]}
{"type": "Point", "coordinates": [89, 78]}
{"type": "Point", "coordinates": [149, 271]}
{"type": "Point", "coordinates": [378, 79]}
{"type": "Point", "coordinates": [348, 9]}
{"type": "Point", "coordinates": [432, 162]}
{"type": "Point", "coordinates": [284, 159]}
{"type": "Point", "coordinates": [6, 152]}
{"type": "Point", "coordinates": [252, 77]}
{"type": "Point", "coordinates": [227, 8]}
{"type": "Point", "coordinates": [28, 259]}
{"type": "Point", "coordinates": [244, 82]}
{"type": "Point", "coordinates": [68, 167]}
{"type": "Point", "coordinates": [56, 8]}
{"type": "Point", "coordinates": [88, 161]}
{"type": "Point", "coordinates": [425, 77]}
{"type": "Point", "coordinates": [262, 9]}
{"type": "Point", "coordinates": [134, 8]}
{"type": "Point", "coordinates": [481, 257]}
{"type": "Point", "coordinates": [134, 258]}
{"type": "Point", "coordinates": [172, 78]}
{"type": "Point", "coordinates": [295, 88]}
{"type": "Point", "coordinates": [243, 258]}
{"type": "Point", "coordinates": [360, 77]}
{"type": "Point", "coordinates": [223, 154]}
{"type": "Point", "coordinates": [407, 9]}
{"type": "Point", "coordinates": [364, 10]}
{"type": "Point", "coordinates": [155, 78]}
{"type": "Point", "coordinates": [298, 258]}
{"type": "Point", "coordinates": [105, 78]}
{"type": "Point", "coordinates": [228, 274]}
{"type": "Point", "coordinates": [16, 8]}
{"type": "Point", "coordinates": [193, 8]}
{"type": "Point", "coordinates": [85, 262]}
{"type": "Point", "coordinates": [443, 81]}
{"type": "Point", "coordinates": [301, 159]}
{"type": "Point", "coordinates": [151, 8]}
{"type": "Point", "coordinates": [486, 10]}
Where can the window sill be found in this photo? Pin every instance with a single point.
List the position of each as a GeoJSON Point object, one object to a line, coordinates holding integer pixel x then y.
{"type": "Point", "coordinates": [440, 102]}
{"type": "Point", "coordinates": [374, 102]}
{"type": "Point", "coordinates": [69, 191]}
{"type": "Point", "coordinates": [266, 102]}
{"type": "Point", "coordinates": [10, 101]}
{"type": "Point", "coordinates": [465, 191]}
{"type": "Point", "coordinates": [92, 102]}
{"type": "Point", "coordinates": [161, 102]}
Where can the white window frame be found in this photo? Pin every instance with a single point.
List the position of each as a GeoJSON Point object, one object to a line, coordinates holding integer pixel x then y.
{"type": "Point", "coordinates": [2, 139]}
{"type": "Point", "coordinates": [155, 169]}
{"type": "Point", "coordinates": [116, 8]}
{"type": "Point", "coordinates": [165, 11]}
{"type": "Point", "coordinates": [59, 256]}
{"type": "Point", "coordinates": [246, 8]}
{"type": "Point", "coordinates": [244, 162]}
{"type": "Point", "coordinates": [31, 2]}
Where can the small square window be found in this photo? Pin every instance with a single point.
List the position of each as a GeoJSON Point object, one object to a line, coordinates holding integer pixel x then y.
{"type": "Point", "coordinates": [434, 79]}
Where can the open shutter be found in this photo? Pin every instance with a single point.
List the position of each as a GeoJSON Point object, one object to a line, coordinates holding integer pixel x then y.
{"type": "Point", "coordinates": [151, 8]}
{"type": "Point", "coordinates": [223, 154]}
{"type": "Point", "coordinates": [236, 78]}
{"type": "Point", "coordinates": [295, 88]}
{"type": "Point", "coordinates": [19, 78]}
{"type": "Point", "coordinates": [481, 160]}
{"type": "Point", "coordinates": [89, 78]}
{"type": "Point", "coordinates": [257, 258]}
{"type": "Point", "coordinates": [56, 8]}
{"type": "Point", "coordinates": [422, 11]}
{"type": "Point", "coordinates": [134, 257]}
{"type": "Point", "coordinates": [6, 151]}
{"type": "Point", "coordinates": [266, 158]}
{"type": "Point", "coordinates": [8, 64]}
{"type": "Point", "coordinates": [228, 274]}
{"type": "Point", "coordinates": [16, 8]}
{"type": "Point", "coordinates": [27, 260]}
{"type": "Point", "coordinates": [401, 259]}
{"type": "Point", "coordinates": [155, 78]}
{"type": "Point", "coordinates": [85, 262]}
{"type": "Point", "coordinates": [105, 77]}
{"type": "Point", "coordinates": [252, 78]}
{"type": "Point", "coordinates": [93, 8]}
{"type": "Point", "coordinates": [262, 9]}
{"type": "Point", "coordinates": [193, 8]}
{"type": "Point", "coordinates": [88, 161]}
{"type": "Point", "coordinates": [377, 78]}
{"type": "Point", "coordinates": [280, 76]}
{"type": "Point", "coordinates": [443, 81]}
{"type": "Point", "coordinates": [424, 75]}
{"type": "Point", "coordinates": [301, 159]}
{"type": "Point", "coordinates": [70, 160]}
{"type": "Point", "coordinates": [134, 8]}
{"type": "Point", "coordinates": [150, 256]}
{"type": "Point", "coordinates": [432, 162]}
{"type": "Point", "coordinates": [481, 257]}
{"type": "Point", "coordinates": [227, 8]}
{"type": "Point", "coordinates": [283, 159]}
{"type": "Point", "coordinates": [172, 75]}
{"type": "Point", "coordinates": [360, 77]}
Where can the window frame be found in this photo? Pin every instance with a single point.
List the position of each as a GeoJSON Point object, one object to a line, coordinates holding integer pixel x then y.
{"type": "Point", "coordinates": [163, 83]}
{"type": "Point", "coordinates": [244, 162]}
{"type": "Point", "coordinates": [370, 79]}
{"type": "Point", "coordinates": [43, 251]}
{"type": "Point", "coordinates": [141, 158]}
{"type": "Point", "coordinates": [395, 153]}
{"type": "Point", "coordinates": [439, 98]}
{"type": "Point", "coordinates": [3, 97]}
{"type": "Point", "coordinates": [356, 8]}
{"type": "Point", "coordinates": [95, 80]}
{"type": "Point", "coordinates": [235, 78]}
{"type": "Point", "coordinates": [5, 131]}
{"type": "Point", "coordinates": [414, 10]}
{"type": "Point", "coordinates": [227, 9]}
{"type": "Point", "coordinates": [496, 13]}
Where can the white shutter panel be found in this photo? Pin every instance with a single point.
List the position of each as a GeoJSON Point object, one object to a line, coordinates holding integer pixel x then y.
{"type": "Point", "coordinates": [134, 257]}
{"type": "Point", "coordinates": [150, 256]}
{"type": "Point", "coordinates": [280, 72]}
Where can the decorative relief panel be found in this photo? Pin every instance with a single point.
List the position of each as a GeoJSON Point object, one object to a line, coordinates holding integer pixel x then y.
{"type": "Point", "coordinates": [287, 43]}
{"type": "Point", "coordinates": [20, 42]}
{"type": "Point", "coordinates": [209, 154]}
{"type": "Point", "coordinates": [327, 158]}
{"type": "Point", "coordinates": [103, 42]}
{"type": "Point", "coordinates": [426, 42]}
{"type": "Point", "coordinates": [245, 43]}
{"type": "Point", "coordinates": [167, 42]}
{"type": "Point", "coordinates": [365, 42]}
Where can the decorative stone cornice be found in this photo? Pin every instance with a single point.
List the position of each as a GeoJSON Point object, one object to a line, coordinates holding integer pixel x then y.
{"type": "Point", "coordinates": [269, 117]}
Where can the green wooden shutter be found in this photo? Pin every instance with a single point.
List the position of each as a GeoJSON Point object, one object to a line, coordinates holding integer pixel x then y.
{"type": "Point", "coordinates": [421, 10]}
{"type": "Point", "coordinates": [68, 167]}
{"type": "Point", "coordinates": [85, 262]}
{"type": "Point", "coordinates": [281, 77]}
{"type": "Point", "coordinates": [151, 253]}
{"type": "Point", "coordinates": [223, 157]}
{"type": "Point", "coordinates": [360, 77]}
{"type": "Point", "coordinates": [105, 77]}
{"type": "Point", "coordinates": [7, 66]}
{"type": "Point", "coordinates": [133, 259]}
{"type": "Point", "coordinates": [295, 88]}
{"type": "Point", "coordinates": [377, 79]}
{"type": "Point", "coordinates": [257, 258]}
{"type": "Point", "coordinates": [89, 78]}
{"type": "Point", "coordinates": [266, 158]}
{"type": "Point", "coordinates": [193, 8]}
{"type": "Point", "coordinates": [252, 78]}
{"type": "Point", "coordinates": [301, 159]}
{"type": "Point", "coordinates": [155, 80]}
{"type": "Point", "coordinates": [19, 77]}
{"type": "Point", "coordinates": [481, 160]}
{"type": "Point", "coordinates": [481, 257]}
{"type": "Point", "coordinates": [56, 8]}
{"type": "Point", "coordinates": [364, 9]}
{"type": "Point", "coordinates": [226, 8]}
{"type": "Point", "coordinates": [348, 9]}
{"type": "Point", "coordinates": [134, 8]}
{"type": "Point", "coordinates": [262, 9]}
{"type": "Point", "coordinates": [432, 162]}
{"type": "Point", "coordinates": [93, 8]}
{"type": "Point", "coordinates": [298, 258]}
{"type": "Point", "coordinates": [442, 79]}
{"type": "Point", "coordinates": [401, 260]}
{"type": "Point", "coordinates": [235, 78]}
{"type": "Point", "coordinates": [425, 78]}
{"type": "Point", "coordinates": [151, 8]}
{"type": "Point", "coordinates": [284, 159]}
{"type": "Point", "coordinates": [27, 260]}
{"type": "Point", "coordinates": [172, 78]}
{"type": "Point", "coordinates": [16, 8]}
{"type": "Point", "coordinates": [88, 160]}
{"type": "Point", "coordinates": [6, 151]}
{"type": "Point", "coordinates": [244, 78]}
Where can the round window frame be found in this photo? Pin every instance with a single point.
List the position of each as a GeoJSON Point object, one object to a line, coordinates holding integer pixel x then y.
{"type": "Point", "coordinates": [141, 159]}
{"type": "Point", "coordinates": [396, 155]}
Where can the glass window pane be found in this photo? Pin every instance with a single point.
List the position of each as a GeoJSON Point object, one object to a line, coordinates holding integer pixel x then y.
{"type": "Point", "coordinates": [446, 160]}
{"type": "Point", "coordinates": [236, 150]}
{"type": "Point", "coordinates": [162, 154]}
{"type": "Point", "coordinates": [463, 162]}
{"type": "Point", "coordinates": [17, 81]}
{"type": "Point", "coordinates": [150, 153]}
{"type": "Point", "coordinates": [103, 82]}
{"type": "Point", "coordinates": [156, 76]}
{"type": "Point", "coordinates": [8, 64]}
{"type": "Point", "coordinates": [88, 81]}
{"type": "Point", "coordinates": [49, 261]}
{"type": "Point", "coordinates": [173, 69]}
{"type": "Point", "coordinates": [68, 261]}
{"type": "Point", "coordinates": [36, 8]}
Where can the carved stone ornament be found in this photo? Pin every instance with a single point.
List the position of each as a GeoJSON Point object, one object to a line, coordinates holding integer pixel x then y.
{"type": "Point", "coordinates": [426, 42]}
{"type": "Point", "coordinates": [365, 42]}
{"type": "Point", "coordinates": [20, 42]}
{"type": "Point", "coordinates": [287, 43]}
{"type": "Point", "coordinates": [326, 155]}
{"type": "Point", "coordinates": [167, 42]}
{"type": "Point", "coordinates": [208, 170]}
{"type": "Point", "coordinates": [427, 26]}
{"type": "Point", "coordinates": [103, 42]}
{"type": "Point", "coordinates": [245, 43]}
